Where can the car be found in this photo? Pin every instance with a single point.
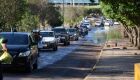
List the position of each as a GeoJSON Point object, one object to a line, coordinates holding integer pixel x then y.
{"type": "Point", "coordinates": [88, 25]}
{"type": "Point", "coordinates": [48, 40]}
{"type": "Point", "coordinates": [73, 34]}
{"type": "Point", "coordinates": [84, 29]}
{"type": "Point", "coordinates": [116, 23]}
{"type": "Point", "coordinates": [106, 23]}
{"type": "Point", "coordinates": [23, 50]}
{"type": "Point", "coordinates": [99, 24]}
{"type": "Point", "coordinates": [62, 35]}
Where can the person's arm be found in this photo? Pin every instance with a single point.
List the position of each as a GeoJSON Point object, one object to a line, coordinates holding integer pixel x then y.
{"type": "Point", "coordinates": [4, 47]}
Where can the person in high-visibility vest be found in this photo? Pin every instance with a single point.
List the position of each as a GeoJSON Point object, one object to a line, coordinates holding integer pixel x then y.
{"type": "Point", "coordinates": [4, 48]}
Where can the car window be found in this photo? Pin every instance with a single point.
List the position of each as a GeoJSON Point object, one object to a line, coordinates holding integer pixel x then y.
{"type": "Point", "coordinates": [71, 30]}
{"type": "Point", "coordinates": [59, 30]}
{"type": "Point", "coordinates": [46, 34]}
{"type": "Point", "coordinates": [16, 39]}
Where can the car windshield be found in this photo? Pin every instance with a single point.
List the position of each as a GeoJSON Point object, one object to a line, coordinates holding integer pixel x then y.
{"type": "Point", "coordinates": [84, 26]}
{"type": "Point", "coordinates": [46, 34]}
{"type": "Point", "coordinates": [61, 30]}
{"type": "Point", "coordinates": [72, 30]}
{"type": "Point", "coordinates": [16, 39]}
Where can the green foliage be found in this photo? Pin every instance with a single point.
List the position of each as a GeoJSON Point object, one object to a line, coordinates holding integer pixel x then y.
{"type": "Point", "coordinates": [28, 23]}
{"type": "Point", "coordinates": [73, 15]}
{"type": "Point", "coordinates": [114, 34]}
{"type": "Point", "coordinates": [125, 11]}
{"type": "Point", "coordinates": [11, 12]}
{"type": "Point", "coordinates": [53, 16]}
{"type": "Point", "coordinates": [46, 12]}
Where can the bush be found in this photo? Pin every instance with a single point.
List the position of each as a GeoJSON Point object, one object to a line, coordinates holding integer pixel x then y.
{"type": "Point", "coordinates": [114, 34]}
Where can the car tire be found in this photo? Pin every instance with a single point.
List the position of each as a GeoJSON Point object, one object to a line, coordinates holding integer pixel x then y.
{"type": "Point", "coordinates": [28, 67]}
{"type": "Point", "coordinates": [39, 50]}
{"type": "Point", "coordinates": [77, 39]}
{"type": "Point", "coordinates": [68, 43]}
{"type": "Point", "coordinates": [65, 43]}
{"type": "Point", "coordinates": [55, 48]}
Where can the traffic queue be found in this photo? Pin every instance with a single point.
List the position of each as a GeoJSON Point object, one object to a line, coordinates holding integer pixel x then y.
{"type": "Point", "coordinates": [22, 49]}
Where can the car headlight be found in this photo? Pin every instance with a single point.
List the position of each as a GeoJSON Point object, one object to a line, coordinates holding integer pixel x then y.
{"type": "Point", "coordinates": [26, 53]}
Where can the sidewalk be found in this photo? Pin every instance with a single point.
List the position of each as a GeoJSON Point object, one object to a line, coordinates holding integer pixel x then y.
{"type": "Point", "coordinates": [116, 63]}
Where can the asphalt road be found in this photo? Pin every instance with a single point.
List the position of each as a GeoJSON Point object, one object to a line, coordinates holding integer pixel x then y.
{"type": "Point", "coordinates": [69, 63]}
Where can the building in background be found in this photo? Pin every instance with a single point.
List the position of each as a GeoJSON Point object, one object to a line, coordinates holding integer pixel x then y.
{"type": "Point", "coordinates": [73, 2]}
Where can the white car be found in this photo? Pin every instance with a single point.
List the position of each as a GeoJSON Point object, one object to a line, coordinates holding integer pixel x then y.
{"type": "Point", "coordinates": [116, 23]}
{"type": "Point", "coordinates": [98, 23]}
{"type": "Point", "coordinates": [48, 41]}
{"type": "Point", "coordinates": [106, 23]}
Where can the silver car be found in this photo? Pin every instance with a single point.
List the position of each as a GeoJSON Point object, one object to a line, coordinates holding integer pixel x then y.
{"type": "Point", "coordinates": [48, 41]}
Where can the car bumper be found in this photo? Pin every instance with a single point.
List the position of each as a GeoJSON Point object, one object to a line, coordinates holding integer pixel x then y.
{"type": "Point", "coordinates": [62, 40]}
{"type": "Point", "coordinates": [47, 46]}
{"type": "Point", "coordinates": [17, 62]}
{"type": "Point", "coordinates": [73, 37]}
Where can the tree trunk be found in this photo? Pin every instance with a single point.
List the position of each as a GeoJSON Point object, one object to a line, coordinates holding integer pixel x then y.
{"type": "Point", "coordinates": [138, 37]}
{"type": "Point", "coordinates": [134, 34]}
{"type": "Point", "coordinates": [128, 31]}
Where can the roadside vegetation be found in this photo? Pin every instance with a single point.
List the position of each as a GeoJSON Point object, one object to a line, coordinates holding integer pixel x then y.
{"type": "Point", "coordinates": [127, 13]}
{"type": "Point", "coordinates": [114, 34]}
{"type": "Point", "coordinates": [73, 15]}
{"type": "Point", "coordinates": [26, 15]}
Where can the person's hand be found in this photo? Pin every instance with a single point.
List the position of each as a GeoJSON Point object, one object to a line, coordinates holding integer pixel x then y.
{"type": "Point", "coordinates": [4, 50]}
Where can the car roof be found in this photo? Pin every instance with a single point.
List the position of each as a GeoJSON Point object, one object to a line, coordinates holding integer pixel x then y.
{"type": "Point", "coordinates": [23, 33]}
{"type": "Point", "coordinates": [58, 27]}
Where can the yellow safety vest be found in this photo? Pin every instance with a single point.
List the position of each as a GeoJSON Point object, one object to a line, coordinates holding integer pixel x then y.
{"type": "Point", "coordinates": [5, 57]}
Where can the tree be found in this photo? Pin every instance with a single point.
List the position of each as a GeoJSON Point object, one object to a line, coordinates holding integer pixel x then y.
{"type": "Point", "coordinates": [11, 12]}
{"type": "Point", "coordinates": [127, 12]}
{"type": "Point", "coordinates": [46, 12]}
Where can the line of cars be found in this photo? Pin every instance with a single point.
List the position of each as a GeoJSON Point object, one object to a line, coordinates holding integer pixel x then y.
{"type": "Point", "coordinates": [25, 47]}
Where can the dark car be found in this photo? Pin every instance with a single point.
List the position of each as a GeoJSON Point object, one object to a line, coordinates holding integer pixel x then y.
{"type": "Point", "coordinates": [84, 29]}
{"type": "Point", "coordinates": [62, 35]}
{"type": "Point", "coordinates": [23, 49]}
{"type": "Point", "coordinates": [73, 34]}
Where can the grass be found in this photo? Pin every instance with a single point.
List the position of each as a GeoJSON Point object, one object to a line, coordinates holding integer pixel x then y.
{"type": "Point", "coordinates": [114, 34]}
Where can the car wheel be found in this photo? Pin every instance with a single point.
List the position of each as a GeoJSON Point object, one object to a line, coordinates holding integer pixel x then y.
{"type": "Point", "coordinates": [77, 39]}
{"type": "Point", "coordinates": [39, 49]}
{"type": "Point", "coordinates": [29, 67]}
{"type": "Point", "coordinates": [68, 43]}
{"type": "Point", "coordinates": [55, 48]}
{"type": "Point", "coordinates": [65, 43]}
